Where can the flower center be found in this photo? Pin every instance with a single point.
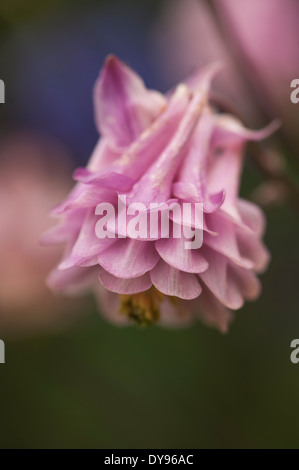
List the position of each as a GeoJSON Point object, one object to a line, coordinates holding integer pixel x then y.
{"type": "Point", "coordinates": [142, 308]}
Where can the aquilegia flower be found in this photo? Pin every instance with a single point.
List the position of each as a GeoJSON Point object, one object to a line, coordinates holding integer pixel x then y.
{"type": "Point", "coordinates": [162, 149]}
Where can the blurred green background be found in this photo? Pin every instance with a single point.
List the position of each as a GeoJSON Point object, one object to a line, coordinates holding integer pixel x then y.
{"type": "Point", "coordinates": [91, 384]}
{"type": "Point", "coordinates": [99, 386]}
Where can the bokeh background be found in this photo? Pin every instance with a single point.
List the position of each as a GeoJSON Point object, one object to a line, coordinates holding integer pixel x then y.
{"type": "Point", "coordinates": [72, 380]}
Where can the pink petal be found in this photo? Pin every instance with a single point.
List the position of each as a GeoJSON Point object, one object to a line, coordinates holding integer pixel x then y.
{"type": "Point", "coordinates": [217, 279]}
{"type": "Point", "coordinates": [252, 216]}
{"type": "Point", "coordinates": [194, 167]}
{"type": "Point", "coordinates": [128, 258]}
{"type": "Point", "coordinates": [230, 130]}
{"type": "Point", "coordinates": [252, 248]}
{"type": "Point", "coordinates": [136, 159]}
{"type": "Point", "coordinates": [186, 191]}
{"type": "Point", "coordinates": [125, 286]}
{"type": "Point", "coordinates": [212, 312]}
{"type": "Point", "coordinates": [82, 196]}
{"type": "Point", "coordinates": [187, 219]}
{"type": "Point", "coordinates": [65, 229]}
{"type": "Point", "coordinates": [87, 246]}
{"type": "Point", "coordinates": [109, 306]}
{"type": "Point", "coordinates": [203, 77]}
{"type": "Point", "coordinates": [103, 155]}
{"type": "Point", "coordinates": [123, 106]}
{"type": "Point", "coordinates": [155, 184]}
{"type": "Point", "coordinates": [73, 281]}
{"type": "Point", "coordinates": [224, 173]}
{"type": "Point", "coordinates": [106, 179]}
{"type": "Point", "coordinates": [225, 242]}
{"type": "Point", "coordinates": [173, 251]}
{"type": "Point", "coordinates": [176, 314]}
{"type": "Point", "coordinates": [173, 282]}
{"type": "Point", "coordinates": [226, 158]}
{"type": "Point", "coordinates": [247, 282]}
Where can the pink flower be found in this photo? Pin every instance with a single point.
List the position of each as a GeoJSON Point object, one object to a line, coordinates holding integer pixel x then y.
{"type": "Point", "coordinates": [157, 148]}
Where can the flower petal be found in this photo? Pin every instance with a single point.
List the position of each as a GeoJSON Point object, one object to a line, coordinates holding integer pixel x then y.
{"type": "Point", "coordinates": [253, 249]}
{"type": "Point", "coordinates": [173, 251]}
{"type": "Point", "coordinates": [135, 160]}
{"type": "Point", "coordinates": [173, 282]}
{"type": "Point", "coordinates": [87, 246]}
{"type": "Point", "coordinates": [123, 106]}
{"type": "Point", "coordinates": [176, 313]}
{"type": "Point", "coordinates": [128, 258]}
{"type": "Point", "coordinates": [252, 217]}
{"type": "Point", "coordinates": [102, 156]}
{"type": "Point", "coordinates": [156, 184]}
{"type": "Point", "coordinates": [212, 312]}
{"type": "Point", "coordinates": [230, 130]}
{"type": "Point", "coordinates": [109, 306]}
{"type": "Point", "coordinates": [106, 179]}
{"type": "Point", "coordinates": [75, 280]}
{"type": "Point", "coordinates": [194, 167]}
{"type": "Point", "coordinates": [219, 282]}
{"type": "Point", "coordinates": [65, 229]}
{"type": "Point", "coordinates": [224, 172]}
{"type": "Point", "coordinates": [247, 282]}
{"type": "Point", "coordinates": [125, 286]}
{"type": "Point", "coordinates": [225, 242]}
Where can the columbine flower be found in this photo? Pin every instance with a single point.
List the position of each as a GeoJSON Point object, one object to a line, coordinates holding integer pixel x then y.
{"type": "Point", "coordinates": [157, 148]}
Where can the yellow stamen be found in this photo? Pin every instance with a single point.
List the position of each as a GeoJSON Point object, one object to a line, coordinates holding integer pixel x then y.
{"type": "Point", "coordinates": [142, 308]}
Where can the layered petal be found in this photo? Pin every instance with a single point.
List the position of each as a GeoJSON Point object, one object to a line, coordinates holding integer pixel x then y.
{"type": "Point", "coordinates": [253, 249]}
{"type": "Point", "coordinates": [191, 182]}
{"type": "Point", "coordinates": [226, 241]}
{"type": "Point", "coordinates": [220, 282]}
{"type": "Point", "coordinates": [123, 105]}
{"type": "Point", "coordinates": [75, 280]}
{"type": "Point", "coordinates": [87, 246]}
{"type": "Point", "coordinates": [174, 253]}
{"type": "Point", "coordinates": [175, 283]}
{"type": "Point", "coordinates": [125, 286]}
{"type": "Point", "coordinates": [155, 185]}
{"type": "Point", "coordinates": [128, 258]}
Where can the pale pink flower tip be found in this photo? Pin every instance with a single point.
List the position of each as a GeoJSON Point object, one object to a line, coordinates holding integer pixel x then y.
{"type": "Point", "coordinates": [157, 148]}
